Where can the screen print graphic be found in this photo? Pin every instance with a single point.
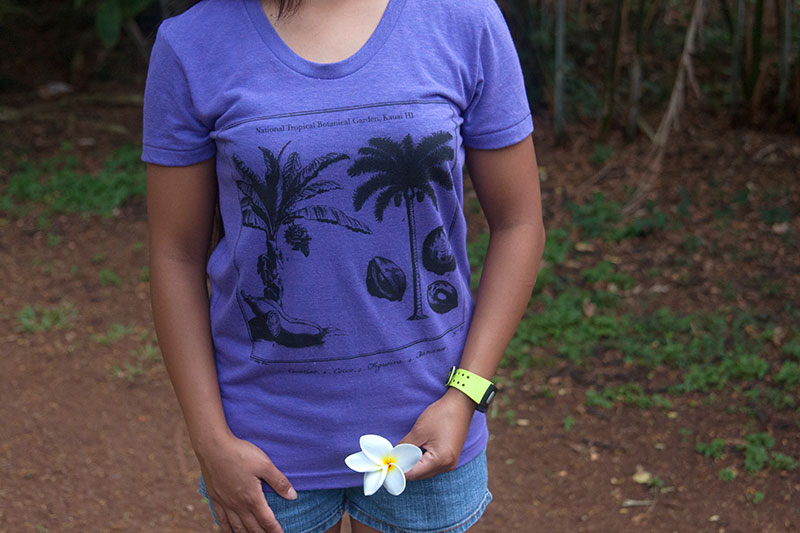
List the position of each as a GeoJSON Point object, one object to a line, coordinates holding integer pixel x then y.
{"type": "Point", "coordinates": [347, 219]}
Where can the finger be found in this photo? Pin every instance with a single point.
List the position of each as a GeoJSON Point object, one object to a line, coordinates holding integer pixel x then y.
{"type": "Point", "coordinates": [251, 523]}
{"type": "Point", "coordinates": [236, 523]}
{"type": "Point", "coordinates": [266, 518]}
{"type": "Point", "coordinates": [430, 465]}
{"type": "Point", "coordinates": [275, 479]}
{"type": "Point", "coordinates": [222, 517]}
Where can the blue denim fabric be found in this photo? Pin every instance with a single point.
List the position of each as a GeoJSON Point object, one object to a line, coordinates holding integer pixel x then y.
{"type": "Point", "coordinates": [451, 502]}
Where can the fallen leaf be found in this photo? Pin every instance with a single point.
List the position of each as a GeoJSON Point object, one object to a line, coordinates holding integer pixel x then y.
{"type": "Point", "coordinates": [780, 228]}
{"type": "Point", "coordinates": [584, 247]}
{"type": "Point", "coordinates": [637, 503]}
{"type": "Point", "coordinates": [642, 476]}
{"type": "Point", "coordinates": [588, 308]}
{"type": "Point", "coordinates": [523, 422]}
{"type": "Point", "coordinates": [778, 334]}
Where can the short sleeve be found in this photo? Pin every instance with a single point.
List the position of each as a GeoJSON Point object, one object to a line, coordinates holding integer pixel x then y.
{"type": "Point", "coordinates": [498, 114]}
{"type": "Point", "coordinates": [173, 132]}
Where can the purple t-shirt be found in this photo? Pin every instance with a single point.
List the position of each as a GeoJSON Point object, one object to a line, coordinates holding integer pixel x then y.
{"type": "Point", "coordinates": [340, 293]}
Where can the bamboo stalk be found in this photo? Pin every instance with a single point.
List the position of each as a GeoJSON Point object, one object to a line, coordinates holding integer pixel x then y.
{"type": "Point", "coordinates": [736, 58]}
{"type": "Point", "coordinates": [754, 70]}
{"type": "Point", "coordinates": [636, 74]}
{"type": "Point", "coordinates": [558, 104]}
{"type": "Point", "coordinates": [783, 73]}
{"type": "Point", "coordinates": [611, 73]}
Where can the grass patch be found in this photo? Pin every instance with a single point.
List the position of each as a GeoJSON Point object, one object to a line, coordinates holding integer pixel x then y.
{"type": "Point", "coordinates": [56, 184]}
{"type": "Point", "coordinates": [114, 333]}
{"type": "Point", "coordinates": [106, 276]}
{"type": "Point", "coordinates": [35, 318]}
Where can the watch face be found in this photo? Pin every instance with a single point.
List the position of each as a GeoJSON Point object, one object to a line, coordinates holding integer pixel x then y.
{"type": "Point", "coordinates": [490, 397]}
{"type": "Point", "coordinates": [487, 398]}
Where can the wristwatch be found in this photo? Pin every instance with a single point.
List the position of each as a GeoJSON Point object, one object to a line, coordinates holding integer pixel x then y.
{"type": "Point", "coordinates": [479, 389]}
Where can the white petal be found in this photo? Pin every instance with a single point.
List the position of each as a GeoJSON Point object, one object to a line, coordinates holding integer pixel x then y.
{"type": "Point", "coordinates": [374, 480]}
{"type": "Point", "coordinates": [395, 481]}
{"type": "Point", "coordinates": [361, 463]}
{"type": "Point", "coordinates": [406, 455]}
{"type": "Point", "coordinates": [375, 447]}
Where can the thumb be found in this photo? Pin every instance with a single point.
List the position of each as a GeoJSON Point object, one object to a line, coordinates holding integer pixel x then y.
{"type": "Point", "coordinates": [275, 479]}
{"type": "Point", "coordinates": [425, 467]}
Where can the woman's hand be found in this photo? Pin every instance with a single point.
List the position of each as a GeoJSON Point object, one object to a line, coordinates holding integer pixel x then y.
{"type": "Point", "coordinates": [232, 471]}
{"type": "Point", "coordinates": [441, 430]}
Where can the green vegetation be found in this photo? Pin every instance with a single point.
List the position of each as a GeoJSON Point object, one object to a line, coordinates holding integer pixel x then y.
{"type": "Point", "coordinates": [146, 356]}
{"type": "Point", "coordinates": [630, 394]}
{"type": "Point", "coordinates": [106, 276]}
{"type": "Point", "coordinates": [33, 319]}
{"type": "Point", "coordinates": [114, 333]}
{"type": "Point", "coordinates": [601, 154]}
{"type": "Point", "coordinates": [757, 455]}
{"type": "Point", "coordinates": [712, 450]}
{"type": "Point", "coordinates": [58, 186]}
{"type": "Point", "coordinates": [569, 423]}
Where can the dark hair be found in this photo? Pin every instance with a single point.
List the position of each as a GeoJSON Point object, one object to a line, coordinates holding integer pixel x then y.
{"type": "Point", "coordinates": [285, 7]}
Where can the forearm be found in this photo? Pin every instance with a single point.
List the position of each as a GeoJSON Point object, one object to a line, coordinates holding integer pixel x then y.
{"type": "Point", "coordinates": [180, 311]}
{"type": "Point", "coordinates": [509, 274]}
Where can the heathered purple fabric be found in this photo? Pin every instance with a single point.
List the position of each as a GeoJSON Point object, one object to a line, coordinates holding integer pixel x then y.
{"type": "Point", "coordinates": [340, 293]}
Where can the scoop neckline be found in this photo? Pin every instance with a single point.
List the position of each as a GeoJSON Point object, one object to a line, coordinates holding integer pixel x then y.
{"type": "Point", "coordinates": [313, 69]}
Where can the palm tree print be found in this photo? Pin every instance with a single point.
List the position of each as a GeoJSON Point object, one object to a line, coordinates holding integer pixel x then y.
{"type": "Point", "coordinates": [404, 172]}
{"type": "Point", "coordinates": [279, 201]}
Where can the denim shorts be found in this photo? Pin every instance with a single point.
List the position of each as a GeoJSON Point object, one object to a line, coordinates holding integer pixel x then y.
{"type": "Point", "coordinates": [450, 502]}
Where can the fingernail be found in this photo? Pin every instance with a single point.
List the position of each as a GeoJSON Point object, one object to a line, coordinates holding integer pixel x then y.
{"type": "Point", "coordinates": [292, 494]}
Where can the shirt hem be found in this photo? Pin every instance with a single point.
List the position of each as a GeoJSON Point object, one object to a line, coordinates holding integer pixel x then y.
{"type": "Point", "coordinates": [177, 158]}
{"type": "Point", "coordinates": [500, 138]}
{"type": "Point", "coordinates": [346, 480]}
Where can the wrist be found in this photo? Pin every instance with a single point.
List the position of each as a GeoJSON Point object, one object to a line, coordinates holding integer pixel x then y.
{"type": "Point", "coordinates": [207, 442]}
{"type": "Point", "coordinates": [460, 399]}
{"type": "Point", "coordinates": [478, 389]}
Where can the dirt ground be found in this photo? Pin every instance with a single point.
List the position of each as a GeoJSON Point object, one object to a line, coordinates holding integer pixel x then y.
{"type": "Point", "coordinates": [91, 437]}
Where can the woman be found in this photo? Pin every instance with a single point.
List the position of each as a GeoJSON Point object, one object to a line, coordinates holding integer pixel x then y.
{"type": "Point", "coordinates": [333, 135]}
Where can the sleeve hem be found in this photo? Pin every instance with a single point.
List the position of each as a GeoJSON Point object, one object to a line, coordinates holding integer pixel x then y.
{"type": "Point", "coordinates": [177, 158]}
{"type": "Point", "coordinates": [500, 138]}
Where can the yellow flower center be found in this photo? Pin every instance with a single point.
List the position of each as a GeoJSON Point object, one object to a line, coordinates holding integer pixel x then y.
{"type": "Point", "coordinates": [388, 460]}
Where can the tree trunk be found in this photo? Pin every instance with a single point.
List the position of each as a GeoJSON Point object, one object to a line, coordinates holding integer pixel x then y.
{"type": "Point", "coordinates": [784, 63]}
{"type": "Point", "coordinates": [412, 236]}
{"type": "Point", "coordinates": [726, 15]}
{"type": "Point", "coordinates": [736, 59]}
{"type": "Point", "coordinates": [558, 104]}
{"type": "Point", "coordinates": [611, 74]}
{"type": "Point", "coordinates": [636, 74]}
{"type": "Point", "coordinates": [754, 70]}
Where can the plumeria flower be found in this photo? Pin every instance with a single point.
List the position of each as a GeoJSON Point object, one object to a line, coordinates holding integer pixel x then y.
{"type": "Point", "coordinates": [383, 464]}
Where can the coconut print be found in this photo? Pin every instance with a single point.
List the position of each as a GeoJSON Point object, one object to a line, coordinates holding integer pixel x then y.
{"type": "Point", "coordinates": [442, 296]}
{"type": "Point", "coordinates": [437, 256]}
{"type": "Point", "coordinates": [385, 279]}
{"type": "Point", "coordinates": [278, 204]}
{"type": "Point", "coordinates": [402, 173]}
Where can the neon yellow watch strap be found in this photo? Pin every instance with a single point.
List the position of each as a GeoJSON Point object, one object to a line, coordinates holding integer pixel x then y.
{"type": "Point", "coordinates": [478, 388]}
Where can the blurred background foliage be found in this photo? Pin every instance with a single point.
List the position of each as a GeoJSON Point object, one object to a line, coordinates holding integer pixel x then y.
{"type": "Point", "coordinates": [618, 58]}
